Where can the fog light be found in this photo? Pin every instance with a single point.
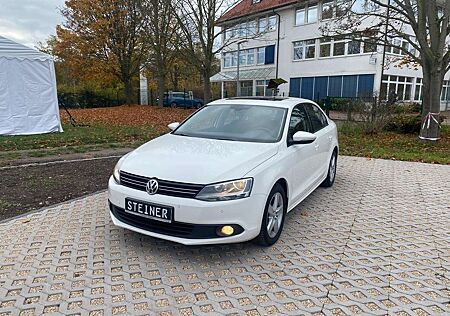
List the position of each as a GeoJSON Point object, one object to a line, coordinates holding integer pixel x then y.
{"type": "Point", "coordinates": [227, 230]}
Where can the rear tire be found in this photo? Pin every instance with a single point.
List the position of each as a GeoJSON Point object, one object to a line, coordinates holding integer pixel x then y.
{"type": "Point", "coordinates": [173, 105]}
{"type": "Point", "coordinates": [273, 217]}
{"type": "Point", "coordinates": [328, 182]}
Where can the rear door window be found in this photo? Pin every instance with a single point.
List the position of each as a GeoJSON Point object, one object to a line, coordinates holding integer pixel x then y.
{"type": "Point", "coordinates": [316, 117]}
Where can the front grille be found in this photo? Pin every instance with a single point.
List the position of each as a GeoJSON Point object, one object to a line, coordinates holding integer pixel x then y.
{"type": "Point", "coordinates": [176, 229]}
{"type": "Point", "coordinates": [178, 189]}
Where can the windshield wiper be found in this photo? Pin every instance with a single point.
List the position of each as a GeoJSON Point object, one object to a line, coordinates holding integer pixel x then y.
{"type": "Point", "coordinates": [231, 140]}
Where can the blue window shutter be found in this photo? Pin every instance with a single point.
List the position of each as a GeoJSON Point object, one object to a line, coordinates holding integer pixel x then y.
{"type": "Point", "coordinates": [350, 84]}
{"type": "Point", "coordinates": [294, 87]}
{"type": "Point", "coordinates": [269, 55]}
{"type": "Point", "coordinates": [335, 87]}
{"type": "Point", "coordinates": [365, 85]}
{"type": "Point", "coordinates": [321, 88]}
{"type": "Point", "coordinates": [307, 91]}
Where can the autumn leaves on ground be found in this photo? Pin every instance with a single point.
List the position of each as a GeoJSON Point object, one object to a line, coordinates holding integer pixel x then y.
{"type": "Point", "coordinates": [133, 115]}
{"type": "Point", "coordinates": [97, 129]}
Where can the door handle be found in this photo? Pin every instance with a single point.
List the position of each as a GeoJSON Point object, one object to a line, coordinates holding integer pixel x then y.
{"type": "Point", "coordinates": [330, 138]}
{"type": "Point", "coordinates": [316, 146]}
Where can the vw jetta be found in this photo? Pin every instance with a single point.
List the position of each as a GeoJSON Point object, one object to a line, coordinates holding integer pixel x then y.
{"type": "Point", "coordinates": [229, 173]}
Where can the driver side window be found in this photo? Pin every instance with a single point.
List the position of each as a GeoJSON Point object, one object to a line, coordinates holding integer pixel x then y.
{"type": "Point", "coordinates": [299, 122]}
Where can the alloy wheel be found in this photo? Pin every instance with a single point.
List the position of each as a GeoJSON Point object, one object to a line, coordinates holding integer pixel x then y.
{"type": "Point", "coordinates": [332, 167]}
{"type": "Point", "coordinates": [275, 214]}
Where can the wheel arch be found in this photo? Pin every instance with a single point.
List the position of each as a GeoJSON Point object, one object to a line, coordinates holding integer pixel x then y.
{"type": "Point", "coordinates": [284, 185]}
{"type": "Point", "coordinates": [336, 150]}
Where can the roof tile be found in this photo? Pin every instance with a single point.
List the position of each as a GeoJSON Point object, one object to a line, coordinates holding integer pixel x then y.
{"type": "Point", "coordinates": [247, 7]}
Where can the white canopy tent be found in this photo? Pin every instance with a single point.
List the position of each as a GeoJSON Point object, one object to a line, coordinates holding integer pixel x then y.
{"type": "Point", "coordinates": [28, 97]}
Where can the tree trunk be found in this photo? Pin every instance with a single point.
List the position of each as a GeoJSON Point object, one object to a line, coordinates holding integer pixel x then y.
{"type": "Point", "coordinates": [160, 83]}
{"type": "Point", "coordinates": [206, 87]}
{"type": "Point", "coordinates": [128, 91]}
{"type": "Point", "coordinates": [432, 87]}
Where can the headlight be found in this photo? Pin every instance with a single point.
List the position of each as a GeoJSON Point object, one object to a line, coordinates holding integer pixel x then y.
{"type": "Point", "coordinates": [231, 190]}
{"type": "Point", "coordinates": [116, 172]}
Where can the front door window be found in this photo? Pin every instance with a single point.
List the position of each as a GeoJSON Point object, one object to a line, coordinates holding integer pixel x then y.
{"type": "Point", "coordinates": [299, 122]}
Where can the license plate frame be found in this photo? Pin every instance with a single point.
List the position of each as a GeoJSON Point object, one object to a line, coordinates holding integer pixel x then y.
{"type": "Point", "coordinates": [146, 209]}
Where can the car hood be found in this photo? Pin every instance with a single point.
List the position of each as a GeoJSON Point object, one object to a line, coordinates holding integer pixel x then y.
{"type": "Point", "coordinates": [196, 160]}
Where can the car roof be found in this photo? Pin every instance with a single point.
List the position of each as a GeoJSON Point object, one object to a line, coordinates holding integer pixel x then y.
{"type": "Point", "coordinates": [280, 102]}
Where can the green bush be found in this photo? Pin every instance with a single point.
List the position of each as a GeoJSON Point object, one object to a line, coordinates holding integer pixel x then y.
{"type": "Point", "coordinates": [407, 108]}
{"type": "Point", "coordinates": [404, 124]}
{"type": "Point", "coordinates": [340, 104]}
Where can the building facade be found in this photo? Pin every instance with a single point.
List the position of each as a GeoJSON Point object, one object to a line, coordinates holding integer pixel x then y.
{"type": "Point", "coordinates": [284, 39]}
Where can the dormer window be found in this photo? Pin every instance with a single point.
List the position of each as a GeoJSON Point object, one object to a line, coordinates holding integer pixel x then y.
{"type": "Point", "coordinates": [256, 1]}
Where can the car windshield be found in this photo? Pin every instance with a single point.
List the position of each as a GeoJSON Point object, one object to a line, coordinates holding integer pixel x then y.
{"type": "Point", "coordinates": [236, 122]}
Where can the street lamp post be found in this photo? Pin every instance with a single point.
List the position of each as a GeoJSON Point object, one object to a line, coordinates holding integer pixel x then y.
{"type": "Point", "coordinates": [238, 84]}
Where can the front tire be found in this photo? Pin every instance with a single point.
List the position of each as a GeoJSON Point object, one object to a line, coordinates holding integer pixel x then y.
{"type": "Point", "coordinates": [173, 105]}
{"type": "Point", "coordinates": [328, 182]}
{"type": "Point", "coordinates": [273, 217]}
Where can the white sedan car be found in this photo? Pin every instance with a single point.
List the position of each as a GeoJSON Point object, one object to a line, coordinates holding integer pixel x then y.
{"type": "Point", "coordinates": [228, 173]}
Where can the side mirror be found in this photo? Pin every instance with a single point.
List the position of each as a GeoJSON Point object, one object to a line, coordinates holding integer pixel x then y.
{"type": "Point", "coordinates": [173, 126]}
{"type": "Point", "coordinates": [303, 138]}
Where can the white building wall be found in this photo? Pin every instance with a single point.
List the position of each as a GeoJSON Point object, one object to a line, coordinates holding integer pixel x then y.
{"type": "Point", "coordinates": [365, 63]}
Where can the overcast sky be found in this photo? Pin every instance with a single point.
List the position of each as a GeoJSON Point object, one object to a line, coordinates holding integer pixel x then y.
{"type": "Point", "coordinates": [29, 21]}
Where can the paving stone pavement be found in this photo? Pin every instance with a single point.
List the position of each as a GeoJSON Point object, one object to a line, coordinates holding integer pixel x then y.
{"type": "Point", "coordinates": [377, 243]}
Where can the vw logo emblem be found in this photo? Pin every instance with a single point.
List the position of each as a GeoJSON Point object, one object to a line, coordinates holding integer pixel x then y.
{"type": "Point", "coordinates": [152, 186]}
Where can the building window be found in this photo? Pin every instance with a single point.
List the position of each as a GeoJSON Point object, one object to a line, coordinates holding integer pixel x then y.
{"type": "Point", "coordinates": [342, 7]}
{"type": "Point", "coordinates": [325, 47]}
{"type": "Point", "coordinates": [404, 44]}
{"type": "Point", "coordinates": [267, 23]}
{"type": "Point", "coordinates": [305, 49]}
{"type": "Point", "coordinates": [256, 1]}
{"type": "Point", "coordinates": [251, 56]}
{"type": "Point", "coordinates": [318, 88]}
{"type": "Point", "coordinates": [248, 57]}
{"type": "Point", "coordinates": [312, 14]}
{"type": "Point", "coordinates": [418, 92]}
{"type": "Point", "coordinates": [261, 56]}
{"type": "Point", "coordinates": [327, 9]}
{"type": "Point", "coordinates": [354, 47]}
{"type": "Point", "coordinates": [339, 46]}
{"type": "Point", "coordinates": [246, 29]}
{"type": "Point", "coordinates": [261, 88]}
{"type": "Point", "coordinates": [252, 29]}
{"type": "Point", "coordinates": [396, 87]}
{"type": "Point", "coordinates": [445, 95]}
{"type": "Point", "coordinates": [246, 88]}
{"type": "Point", "coordinates": [370, 46]}
{"type": "Point", "coordinates": [300, 17]}
{"type": "Point", "coordinates": [242, 58]}
{"type": "Point", "coordinates": [262, 25]}
{"type": "Point", "coordinates": [307, 14]}
{"type": "Point", "coordinates": [272, 25]}
{"type": "Point", "coordinates": [234, 59]}
{"type": "Point", "coordinates": [226, 60]}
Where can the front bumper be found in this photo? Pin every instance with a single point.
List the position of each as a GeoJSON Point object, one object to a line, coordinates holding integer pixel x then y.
{"type": "Point", "coordinates": [196, 220]}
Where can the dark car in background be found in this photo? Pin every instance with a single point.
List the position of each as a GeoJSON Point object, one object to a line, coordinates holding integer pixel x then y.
{"type": "Point", "coordinates": [181, 99]}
